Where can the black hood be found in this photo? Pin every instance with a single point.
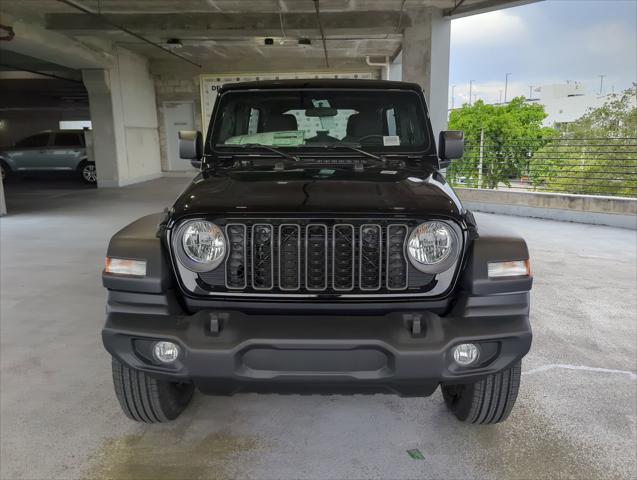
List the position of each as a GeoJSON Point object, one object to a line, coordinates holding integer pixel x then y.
{"type": "Point", "coordinates": [339, 191]}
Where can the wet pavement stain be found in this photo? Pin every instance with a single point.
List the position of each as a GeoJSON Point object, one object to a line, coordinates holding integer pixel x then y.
{"type": "Point", "coordinates": [528, 446]}
{"type": "Point", "coordinates": [155, 455]}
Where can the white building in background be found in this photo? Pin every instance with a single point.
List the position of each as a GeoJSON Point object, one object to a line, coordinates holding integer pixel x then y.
{"type": "Point", "coordinates": [566, 102]}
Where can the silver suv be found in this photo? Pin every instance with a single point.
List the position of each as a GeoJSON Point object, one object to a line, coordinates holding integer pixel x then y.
{"type": "Point", "coordinates": [49, 151]}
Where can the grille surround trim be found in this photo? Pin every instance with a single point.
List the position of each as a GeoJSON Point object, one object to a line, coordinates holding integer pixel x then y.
{"type": "Point", "coordinates": [245, 255]}
{"type": "Point", "coordinates": [405, 257]}
{"type": "Point", "coordinates": [212, 284]}
{"type": "Point", "coordinates": [353, 230]}
{"type": "Point", "coordinates": [325, 262]}
{"type": "Point", "coordinates": [252, 255]}
{"type": "Point", "coordinates": [360, 257]}
{"type": "Point", "coordinates": [298, 261]}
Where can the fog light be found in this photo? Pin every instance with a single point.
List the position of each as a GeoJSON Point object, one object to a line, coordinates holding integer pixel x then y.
{"type": "Point", "coordinates": [166, 352]}
{"type": "Point", "coordinates": [465, 354]}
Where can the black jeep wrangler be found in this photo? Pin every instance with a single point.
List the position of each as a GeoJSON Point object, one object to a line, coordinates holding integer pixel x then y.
{"type": "Point", "coordinates": [318, 250]}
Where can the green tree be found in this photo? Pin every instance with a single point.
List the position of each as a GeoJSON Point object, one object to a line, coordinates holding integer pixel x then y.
{"type": "Point", "coordinates": [617, 118]}
{"type": "Point", "coordinates": [512, 133]}
{"type": "Point", "coordinates": [596, 154]}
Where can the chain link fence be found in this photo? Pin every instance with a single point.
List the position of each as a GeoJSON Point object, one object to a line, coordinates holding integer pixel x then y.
{"type": "Point", "coordinates": [591, 166]}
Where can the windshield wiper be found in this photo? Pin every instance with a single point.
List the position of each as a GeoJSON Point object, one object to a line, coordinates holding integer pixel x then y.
{"type": "Point", "coordinates": [357, 148]}
{"type": "Point", "coordinates": [266, 147]}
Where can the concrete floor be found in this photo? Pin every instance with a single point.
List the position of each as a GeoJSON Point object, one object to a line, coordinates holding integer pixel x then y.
{"type": "Point", "coordinates": [575, 416]}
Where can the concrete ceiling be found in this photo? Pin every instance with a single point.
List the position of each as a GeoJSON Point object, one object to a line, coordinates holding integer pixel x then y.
{"type": "Point", "coordinates": [31, 84]}
{"type": "Point", "coordinates": [229, 35]}
{"type": "Point", "coordinates": [242, 6]}
{"type": "Point", "coordinates": [15, 66]}
{"type": "Point", "coordinates": [42, 94]}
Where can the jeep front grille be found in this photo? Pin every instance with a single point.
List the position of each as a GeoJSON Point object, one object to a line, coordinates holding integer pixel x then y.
{"type": "Point", "coordinates": [316, 257]}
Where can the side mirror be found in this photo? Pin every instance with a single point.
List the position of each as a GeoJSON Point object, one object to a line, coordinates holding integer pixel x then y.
{"type": "Point", "coordinates": [450, 146]}
{"type": "Point", "coordinates": [191, 146]}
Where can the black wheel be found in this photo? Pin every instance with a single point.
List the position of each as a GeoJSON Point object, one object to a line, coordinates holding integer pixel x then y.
{"type": "Point", "coordinates": [146, 399]}
{"type": "Point", "coordinates": [88, 172]}
{"type": "Point", "coordinates": [5, 171]}
{"type": "Point", "coordinates": [488, 401]}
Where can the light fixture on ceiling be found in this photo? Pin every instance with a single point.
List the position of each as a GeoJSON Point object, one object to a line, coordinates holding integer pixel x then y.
{"type": "Point", "coordinates": [174, 43]}
{"type": "Point", "coordinates": [8, 33]}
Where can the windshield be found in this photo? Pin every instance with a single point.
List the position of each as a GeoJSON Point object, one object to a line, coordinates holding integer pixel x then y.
{"type": "Point", "coordinates": [375, 119]}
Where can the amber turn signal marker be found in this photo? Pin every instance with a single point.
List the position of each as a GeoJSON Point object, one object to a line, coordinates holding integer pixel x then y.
{"type": "Point", "coordinates": [518, 268]}
{"type": "Point", "coordinates": [122, 266]}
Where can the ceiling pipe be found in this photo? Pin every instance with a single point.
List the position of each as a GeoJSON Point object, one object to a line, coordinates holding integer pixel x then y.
{"type": "Point", "coordinates": [384, 66]}
{"type": "Point", "coordinates": [318, 18]}
{"type": "Point", "coordinates": [102, 18]}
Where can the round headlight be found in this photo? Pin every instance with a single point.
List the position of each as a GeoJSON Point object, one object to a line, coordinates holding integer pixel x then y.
{"type": "Point", "coordinates": [432, 247]}
{"type": "Point", "coordinates": [203, 244]}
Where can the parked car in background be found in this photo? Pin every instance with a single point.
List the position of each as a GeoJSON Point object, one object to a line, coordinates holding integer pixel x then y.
{"type": "Point", "coordinates": [63, 150]}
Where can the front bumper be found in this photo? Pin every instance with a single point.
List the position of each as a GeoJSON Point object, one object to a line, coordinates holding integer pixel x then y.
{"type": "Point", "coordinates": [326, 353]}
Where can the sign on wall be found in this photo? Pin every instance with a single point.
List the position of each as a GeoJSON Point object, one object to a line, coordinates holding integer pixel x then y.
{"type": "Point", "coordinates": [210, 83]}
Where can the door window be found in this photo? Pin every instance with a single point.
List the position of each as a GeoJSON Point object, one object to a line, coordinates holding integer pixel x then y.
{"type": "Point", "coordinates": [67, 139]}
{"type": "Point", "coordinates": [34, 141]}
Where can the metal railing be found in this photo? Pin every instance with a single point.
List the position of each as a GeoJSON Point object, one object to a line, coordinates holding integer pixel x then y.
{"type": "Point", "coordinates": [592, 166]}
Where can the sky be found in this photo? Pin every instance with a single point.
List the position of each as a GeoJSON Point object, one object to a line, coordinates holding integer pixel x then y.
{"type": "Point", "coordinates": [545, 43]}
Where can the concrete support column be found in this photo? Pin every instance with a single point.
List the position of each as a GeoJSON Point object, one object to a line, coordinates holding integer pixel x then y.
{"type": "Point", "coordinates": [396, 68]}
{"type": "Point", "coordinates": [425, 60]}
{"type": "Point", "coordinates": [124, 117]}
{"type": "Point", "coordinates": [105, 141]}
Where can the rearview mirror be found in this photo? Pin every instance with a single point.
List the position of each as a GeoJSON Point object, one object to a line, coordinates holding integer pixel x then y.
{"type": "Point", "coordinates": [321, 112]}
{"type": "Point", "coordinates": [191, 146]}
{"type": "Point", "coordinates": [450, 146]}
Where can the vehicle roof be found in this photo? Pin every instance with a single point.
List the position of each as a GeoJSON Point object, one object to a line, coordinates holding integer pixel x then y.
{"type": "Point", "coordinates": [321, 83]}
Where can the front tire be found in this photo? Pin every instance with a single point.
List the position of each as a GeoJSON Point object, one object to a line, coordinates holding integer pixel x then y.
{"type": "Point", "coordinates": [88, 172]}
{"type": "Point", "coordinates": [487, 401]}
{"type": "Point", "coordinates": [145, 399]}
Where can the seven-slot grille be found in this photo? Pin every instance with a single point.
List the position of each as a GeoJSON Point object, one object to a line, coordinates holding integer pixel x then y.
{"type": "Point", "coordinates": [316, 257]}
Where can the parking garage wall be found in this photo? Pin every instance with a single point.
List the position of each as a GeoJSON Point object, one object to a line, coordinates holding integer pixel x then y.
{"type": "Point", "coordinates": [175, 88]}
